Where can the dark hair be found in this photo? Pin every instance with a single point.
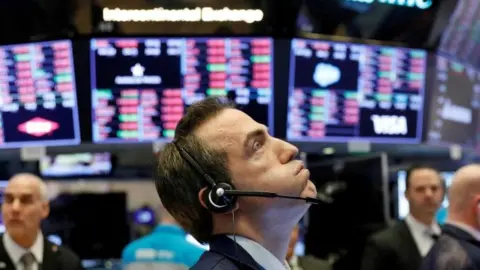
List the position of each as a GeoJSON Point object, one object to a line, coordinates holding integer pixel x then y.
{"type": "Point", "coordinates": [177, 183]}
{"type": "Point", "coordinates": [416, 167]}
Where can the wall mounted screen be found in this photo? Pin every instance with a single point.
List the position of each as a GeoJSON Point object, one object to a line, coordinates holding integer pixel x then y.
{"type": "Point", "coordinates": [38, 103]}
{"type": "Point", "coordinates": [455, 96]}
{"type": "Point", "coordinates": [142, 86]}
{"type": "Point", "coordinates": [341, 91]}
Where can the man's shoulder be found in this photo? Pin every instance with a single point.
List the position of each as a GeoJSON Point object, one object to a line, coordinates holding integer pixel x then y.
{"type": "Point", "coordinates": [63, 252]}
{"type": "Point", "coordinates": [386, 234]}
{"type": "Point", "coordinates": [447, 253]}
{"type": "Point", "coordinates": [212, 260]}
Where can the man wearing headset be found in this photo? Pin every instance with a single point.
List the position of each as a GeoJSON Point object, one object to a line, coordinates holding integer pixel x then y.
{"type": "Point", "coordinates": [218, 148]}
{"type": "Point", "coordinates": [459, 245]}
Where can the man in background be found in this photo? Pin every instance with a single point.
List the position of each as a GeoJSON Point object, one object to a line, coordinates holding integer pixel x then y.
{"type": "Point", "coordinates": [402, 246]}
{"type": "Point", "coordinates": [459, 245]}
{"type": "Point", "coordinates": [167, 247]}
{"type": "Point", "coordinates": [304, 262]}
{"type": "Point", "coordinates": [23, 245]}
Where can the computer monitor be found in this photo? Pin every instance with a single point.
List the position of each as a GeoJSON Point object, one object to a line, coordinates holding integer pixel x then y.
{"type": "Point", "coordinates": [141, 87]}
{"type": "Point", "coordinates": [76, 165]}
{"type": "Point", "coordinates": [360, 208]}
{"type": "Point", "coordinates": [343, 91]}
{"type": "Point", "coordinates": [402, 203]}
{"type": "Point", "coordinates": [38, 102]}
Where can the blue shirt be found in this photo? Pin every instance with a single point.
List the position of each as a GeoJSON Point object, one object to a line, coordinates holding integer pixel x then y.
{"type": "Point", "coordinates": [165, 248]}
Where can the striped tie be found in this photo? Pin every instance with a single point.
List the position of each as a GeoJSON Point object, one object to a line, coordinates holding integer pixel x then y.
{"type": "Point", "coordinates": [27, 261]}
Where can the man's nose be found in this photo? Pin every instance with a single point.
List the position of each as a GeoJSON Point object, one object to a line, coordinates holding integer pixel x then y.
{"type": "Point", "coordinates": [16, 205]}
{"type": "Point", "coordinates": [288, 151]}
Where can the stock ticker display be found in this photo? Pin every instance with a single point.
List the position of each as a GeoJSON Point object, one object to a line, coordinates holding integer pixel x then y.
{"type": "Point", "coordinates": [142, 87]}
{"type": "Point", "coordinates": [38, 104]}
{"type": "Point", "coordinates": [341, 91]}
{"type": "Point", "coordinates": [455, 96]}
{"type": "Point", "coordinates": [461, 38]}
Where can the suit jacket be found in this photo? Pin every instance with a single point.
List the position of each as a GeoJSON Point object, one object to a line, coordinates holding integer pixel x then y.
{"type": "Point", "coordinates": [393, 248]}
{"type": "Point", "coordinates": [454, 249]}
{"type": "Point", "coordinates": [225, 254]}
{"type": "Point", "coordinates": [312, 263]}
{"type": "Point", "coordinates": [54, 258]}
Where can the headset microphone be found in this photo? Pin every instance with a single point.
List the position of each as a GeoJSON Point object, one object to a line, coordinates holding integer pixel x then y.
{"type": "Point", "coordinates": [321, 198]}
{"type": "Point", "coordinates": [222, 197]}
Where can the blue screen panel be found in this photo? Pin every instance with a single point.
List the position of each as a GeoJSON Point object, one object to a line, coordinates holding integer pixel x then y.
{"type": "Point", "coordinates": [343, 91]}
{"type": "Point", "coordinates": [141, 87]}
{"type": "Point", "coordinates": [38, 102]}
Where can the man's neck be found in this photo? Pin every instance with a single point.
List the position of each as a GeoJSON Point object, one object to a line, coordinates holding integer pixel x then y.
{"type": "Point", "coordinates": [425, 220]}
{"type": "Point", "coordinates": [26, 241]}
{"type": "Point", "coordinates": [273, 237]}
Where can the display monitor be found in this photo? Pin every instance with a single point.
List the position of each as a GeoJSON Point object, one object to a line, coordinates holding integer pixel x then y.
{"type": "Point", "coordinates": [343, 91]}
{"type": "Point", "coordinates": [76, 165]}
{"type": "Point", "coordinates": [402, 203]}
{"type": "Point", "coordinates": [38, 102]}
{"type": "Point", "coordinates": [142, 86]}
{"type": "Point", "coordinates": [460, 38]}
{"type": "Point", "coordinates": [453, 103]}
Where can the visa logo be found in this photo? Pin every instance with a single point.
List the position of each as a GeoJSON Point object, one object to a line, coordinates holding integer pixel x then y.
{"type": "Point", "coordinates": [420, 4]}
{"type": "Point", "coordinates": [389, 124]}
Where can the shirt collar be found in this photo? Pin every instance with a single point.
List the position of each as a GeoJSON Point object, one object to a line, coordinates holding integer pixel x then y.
{"type": "Point", "coordinates": [418, 226]}
{"type": "Point", "coordinates": [169, 229]}
{"type": "Point", "coordinates": [261, 255]}
{"type": "Point", "coordinates": [16, 252]}
{"type": "Point", "coordinates": [467, 228]}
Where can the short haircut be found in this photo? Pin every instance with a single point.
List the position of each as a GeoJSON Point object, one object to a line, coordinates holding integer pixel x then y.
{"type": "Point", "coordinates": [177, 183]}
{"type": "Point", "coordinates": [416, 167]}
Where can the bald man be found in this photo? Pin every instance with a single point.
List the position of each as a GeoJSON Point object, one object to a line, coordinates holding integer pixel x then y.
{"type": "Point", "coordinates": [458, 247]}
{"type": "Point", "coordinates": [22, 246]}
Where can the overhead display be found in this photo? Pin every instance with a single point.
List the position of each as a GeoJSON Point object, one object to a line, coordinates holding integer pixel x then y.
{"type": "Point", "coordinates": [455, 96]}
{"type": "Point", "coordinates": [38, 103]}
{"type": "Point", "coordinates": [141, 87]}
{"type": "Point", "coordinates": [76, 165]}
{"type": "Point", "coordinates": [341, 91]}
{"type": "Point", "coordinates": [460, 38]}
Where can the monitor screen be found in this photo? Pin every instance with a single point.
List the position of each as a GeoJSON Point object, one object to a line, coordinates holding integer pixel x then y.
{"type": "Point", "coordinates": [76, 165]}
{"type": "Point", "coordinates": [455, 93]}
{"type": "Point", "coordinates": [402, 203]}
{"type": "Point", "coordinates": [38, 103]}
{"type": "Point", "coordinates": [460, 38]}
{"type": "Point", "coordinates": [342, 91]}
{"type": "Point", "coordinates": [141, 87]}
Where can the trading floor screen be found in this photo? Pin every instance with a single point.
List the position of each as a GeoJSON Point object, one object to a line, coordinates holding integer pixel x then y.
{"type": "Point", "coordinates": [341, 91]}
{"type": "Point", "coordinates": [141, 87]}
{"type": "Point", "coordinates": [455, 94]}
{"type": "Point", "coordinates": [38, 103]}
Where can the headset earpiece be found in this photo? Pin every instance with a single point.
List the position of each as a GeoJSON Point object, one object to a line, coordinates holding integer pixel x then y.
{"type": "Point", "coordinates": [218, 202]}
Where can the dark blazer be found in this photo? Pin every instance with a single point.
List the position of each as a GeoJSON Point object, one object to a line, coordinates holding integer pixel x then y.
{"type": "Point", "coordinates": [312, 263]}
{"type": "Point", "coordinates": [225, 254]}
{"type": "Point", "coordinates": [54, 258]}
{"type": "Point", "coordinates": [454, 249]}
{"type": "Point", "coordinates": [393, 248]}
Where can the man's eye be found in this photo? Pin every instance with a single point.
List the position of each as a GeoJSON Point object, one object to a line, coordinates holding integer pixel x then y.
{"type": "Point", "coordinates": [256, 146]}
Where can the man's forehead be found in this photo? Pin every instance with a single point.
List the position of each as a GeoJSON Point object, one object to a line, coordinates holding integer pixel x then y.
{"type": "Point", "coordinates": [229, 126]}
{"type": "Point", "coordinates": [22, 186]}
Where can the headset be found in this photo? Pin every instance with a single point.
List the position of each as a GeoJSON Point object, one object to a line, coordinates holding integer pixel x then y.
{"type": "Point", "coordinates": [222, 197]}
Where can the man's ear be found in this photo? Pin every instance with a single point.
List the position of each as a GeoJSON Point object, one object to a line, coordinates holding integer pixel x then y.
{"type": "Point", "coordinates": [202, 202]}
{"type": "Point", "coordinates": [45, 209]}
{"type": "Point", "coordinates": [200, 197]}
